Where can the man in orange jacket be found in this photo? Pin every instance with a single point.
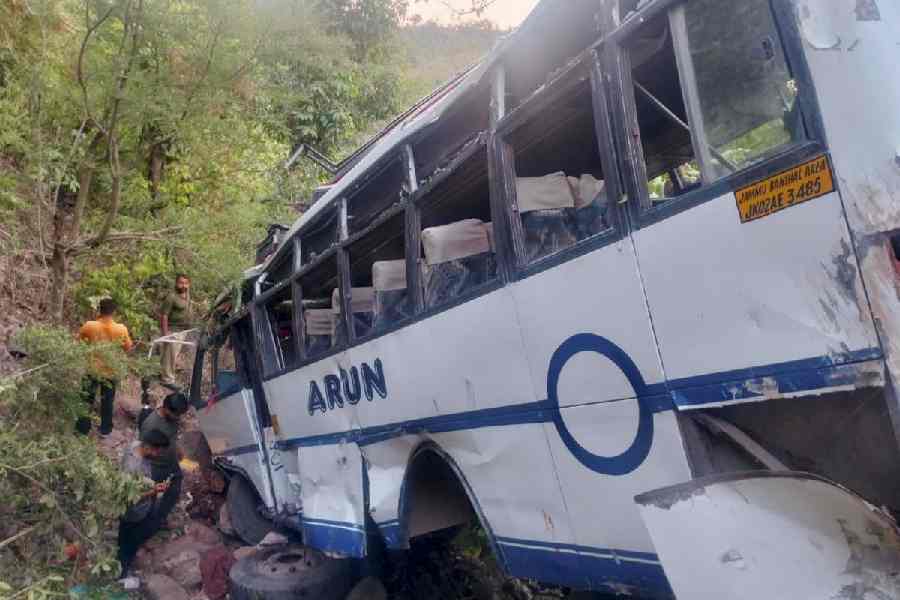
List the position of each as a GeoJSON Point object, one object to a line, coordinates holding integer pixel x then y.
{"type": "Point", "coordinates": [104, 329]}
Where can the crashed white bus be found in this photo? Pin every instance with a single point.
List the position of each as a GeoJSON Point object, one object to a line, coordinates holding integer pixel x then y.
{"type": "Point", "coordinates": [625, 293]}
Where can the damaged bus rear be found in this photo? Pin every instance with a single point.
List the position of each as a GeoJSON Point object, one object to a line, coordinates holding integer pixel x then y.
{"type": "Point", "coordinates": [625, 294]}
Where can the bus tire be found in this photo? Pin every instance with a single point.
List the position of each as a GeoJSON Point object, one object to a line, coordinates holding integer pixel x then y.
{"type": "Point", "coordinates": [243, 508]}
{"type": "Point", "coordinates": [291, 572]}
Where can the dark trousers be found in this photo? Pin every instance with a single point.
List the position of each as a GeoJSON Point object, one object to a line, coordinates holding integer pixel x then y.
{"type": "Point", "coordinates": [134, 533]}
{"type": "Point", "coordinates": [107, 388]}
{"type": "Point", "coordinates": [170, 496]}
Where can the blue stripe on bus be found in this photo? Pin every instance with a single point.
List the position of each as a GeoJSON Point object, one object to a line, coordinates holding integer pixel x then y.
{"type": "Point", "coordinates": [585, 567]}
{"type": "Point", "coordinates": [790, 377]}
{"type": "Point", "coordinates": [334, 536]}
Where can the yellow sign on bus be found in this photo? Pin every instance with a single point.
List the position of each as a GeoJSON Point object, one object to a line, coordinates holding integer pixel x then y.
{"type": "Point", "coordinates": [794, 186]}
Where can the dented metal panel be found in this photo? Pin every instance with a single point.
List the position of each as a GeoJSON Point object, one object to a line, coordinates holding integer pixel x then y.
{"type": "Point", "coordinates": [230, 426]}
{"type": "Point", "coordinates": [853, 50]}
{"type": "Point", "coordinates": [790, 536]}
{"type": "Point", "coordinates": [333, 494]}
{"type": "Point", "coordinates": [774, 306]}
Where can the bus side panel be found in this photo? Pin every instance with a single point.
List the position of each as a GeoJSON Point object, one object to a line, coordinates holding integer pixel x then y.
{"type": "Point", "coordinates": [597, 294]}
{"type": "Point", "coordinates": [778, 298]}
{"type": "Point", "coordinates": [333, 495]}
{"type": "Point", "coordinates": [853, 50]}
{"type": "Point", "coordinates": [231, 430]}
{"type": "Point", "coordinates": [514, 482]}
{"type": "Point", "coordinates": [614, 547]}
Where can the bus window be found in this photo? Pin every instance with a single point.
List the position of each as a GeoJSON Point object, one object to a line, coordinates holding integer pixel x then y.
{"type": "Point", "coordinates": [662, 118]}
{"type": "Point", "coordinates": [318, 286]}
{"type": "Point", "coordinates": [279, 310]}
{"type": "Point", "coordinates": [748, 99]}
{"type": "Point", "coordinates": [456, 238]}
{"type": "Point", "coordinates": [560, 188]}
{"type": "Point", "coordinates": [321, 236]}
{"type": "Point", "coordinates": [377, 263]}
{"type": "Point", "coordinates": [226, 373]}
{"type": "Point", "coordinates": [388, 187]}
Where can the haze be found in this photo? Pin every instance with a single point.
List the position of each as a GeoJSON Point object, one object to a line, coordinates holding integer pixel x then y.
{"type": "Point", "coordinates": [504, 13]}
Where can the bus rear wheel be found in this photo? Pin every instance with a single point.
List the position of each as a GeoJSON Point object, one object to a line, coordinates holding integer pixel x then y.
{"type": "Point", "coordinates": [290, 572]}
{"type": "Point", "coordinates": [243, 508]}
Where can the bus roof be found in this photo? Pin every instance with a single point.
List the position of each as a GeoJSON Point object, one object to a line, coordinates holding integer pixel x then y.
{"type": "Point", "coordinates": [429, 110]}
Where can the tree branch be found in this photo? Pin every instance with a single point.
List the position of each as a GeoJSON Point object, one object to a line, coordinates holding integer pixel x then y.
{"type": "Point", "coordinates": [56, 504]}
{"type": "Point", "coordinates": [125, 236]}
{"type": "Point", "coordinates": [478, 7]}
{"type": "Point", "coordinates": [79, 71]}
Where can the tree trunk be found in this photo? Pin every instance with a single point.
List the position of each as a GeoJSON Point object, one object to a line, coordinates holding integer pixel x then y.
{"type": "Point", "coordinates": [157, 163]}
{"type": "Point", "coordinates": [59, 268]}
{"type": "Point", "coordinates": [66, 227]}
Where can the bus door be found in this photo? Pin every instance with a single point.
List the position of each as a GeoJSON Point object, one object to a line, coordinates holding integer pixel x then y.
{"type": "Point", "coordinates": [235, 418]}
{"type": "Point", "coordinates": [746, 258]}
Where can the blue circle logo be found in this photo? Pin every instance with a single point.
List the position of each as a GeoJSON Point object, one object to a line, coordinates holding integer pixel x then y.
{"type": "Point", "coordinates": [637, 452]}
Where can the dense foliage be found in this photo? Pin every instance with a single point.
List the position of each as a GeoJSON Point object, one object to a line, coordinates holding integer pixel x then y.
{"type": "Point", "coordinates": [138, 139]}
{"type": "Point", "coordinates": [59, 498]}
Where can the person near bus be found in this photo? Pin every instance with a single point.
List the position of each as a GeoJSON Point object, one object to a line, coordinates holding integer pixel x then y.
{"type": "Point", "coordinates": [175, 315]}
{"type": "Point", "coordinates": [144, 518]}
{"type": "Point", "coordinates": [101, 379]}
{"type": "Point", "coordinates": [164, 465]}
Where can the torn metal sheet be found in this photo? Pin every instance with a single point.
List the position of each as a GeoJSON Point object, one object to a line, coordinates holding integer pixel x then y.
{"type": "Point", "coordinates": [229, 425]}
{"type": "Point", "coordinates": [333, 491]}
{"type": "Point", "coordinates": [786, 535]}
{"type": "Point", "coordinates": [859, 92]}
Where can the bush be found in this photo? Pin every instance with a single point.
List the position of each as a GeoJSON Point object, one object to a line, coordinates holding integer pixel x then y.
{"type": "Point", "coordinates": [59, 498]}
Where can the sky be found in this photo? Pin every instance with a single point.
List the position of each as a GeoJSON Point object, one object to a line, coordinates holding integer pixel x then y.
{"type": "Point", "coordinates": [505, 13]}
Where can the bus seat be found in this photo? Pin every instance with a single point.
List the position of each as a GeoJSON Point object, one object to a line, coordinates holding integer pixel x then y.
{"type": "Point", "coordinates": [547, 206]}
{"type": "Point", "coordinates": [458, 257]}
{"type": "Point", "coordinates": [362, 305]}
{"type": "Point", "coordinates": [319, 330]}
{"type": "Point", "coordinates": [591, 204]}
{"type": "Point", "coordinates": [391, 298]}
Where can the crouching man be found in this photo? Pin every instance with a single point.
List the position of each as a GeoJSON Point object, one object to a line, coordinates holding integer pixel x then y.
{"type": "Point", "coordinates": [145, 517]}
{"type": "Point", "coordinates": [164, 466]}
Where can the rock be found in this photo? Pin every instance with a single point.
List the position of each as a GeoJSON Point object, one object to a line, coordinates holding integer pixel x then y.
{"type": "Point", "coordinates": [143, 562]}
{"type": "Point", "coordinates": [224, 523]}
{"type": "Point", "coordinates": [184, 568]}
{"type": "Point", "coordinates": [215, 565]}
{"type": "Point", "coordinates": [203, 534]}
{"type": "Point", "coordinates": [369, 588]}
{"type": "Point", "coordinates": [129, 405]}
{"type": "Point", "coordinates": [273, 538]}
{"type": "Point", "coordinates": [161, 587]}
{"type": "Point", "coordinates": [244, 551]}
{"type": "Point", "coordinates": [168, 550]}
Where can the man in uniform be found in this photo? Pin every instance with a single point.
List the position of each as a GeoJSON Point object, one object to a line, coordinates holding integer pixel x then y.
{"type": "Point", "coordinates": [175, 315]}
{"type": "Point", "coordinates": [104, 329]}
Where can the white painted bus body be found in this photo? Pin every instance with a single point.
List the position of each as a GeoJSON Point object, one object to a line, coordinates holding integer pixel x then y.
{"type": "Point", "coordinates": [556, 398]}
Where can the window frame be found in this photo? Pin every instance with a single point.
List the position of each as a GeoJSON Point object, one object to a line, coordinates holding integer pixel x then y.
{"type": "Point", "coordinates": [357, 190]}
{"type": "Point", "coordinates": [615, 56]}
{"type": "Point", "coordinates": [610, 78]}
{"type": "Point", "coordinates": [421, 198]}
{"type": "Point", "coordinates": [564, 83]}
